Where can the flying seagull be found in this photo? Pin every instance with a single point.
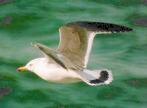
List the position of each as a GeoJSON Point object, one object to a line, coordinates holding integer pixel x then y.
{"type": "Point", "coordinates": [68, 63]}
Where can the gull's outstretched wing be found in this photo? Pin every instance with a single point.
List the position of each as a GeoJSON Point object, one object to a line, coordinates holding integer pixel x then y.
{"type": "Point", "coordinates": [50, 53]}
{"type": "Point", "coordinates": [55, 56]}
{"type": "Point", "coordinates": [76, 39]}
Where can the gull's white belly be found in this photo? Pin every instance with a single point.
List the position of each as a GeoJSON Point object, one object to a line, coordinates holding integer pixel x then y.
{"type": "Point", "coordinates": [55, 73]}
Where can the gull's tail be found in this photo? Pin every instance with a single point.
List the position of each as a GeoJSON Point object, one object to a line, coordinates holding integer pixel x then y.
{"type": "Point", "coordinates": [96, 77]}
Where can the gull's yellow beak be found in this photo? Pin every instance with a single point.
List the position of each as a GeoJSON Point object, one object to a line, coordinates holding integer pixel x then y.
{"type": "Point", "coordinates": [20, 69]}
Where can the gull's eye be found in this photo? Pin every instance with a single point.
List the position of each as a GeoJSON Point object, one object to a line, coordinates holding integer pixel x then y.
{"type": "Point", "coordinates": [30, 65]}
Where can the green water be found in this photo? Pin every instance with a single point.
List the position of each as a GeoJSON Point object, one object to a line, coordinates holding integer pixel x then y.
{"type": "Point", "coordinates": [26, 21]}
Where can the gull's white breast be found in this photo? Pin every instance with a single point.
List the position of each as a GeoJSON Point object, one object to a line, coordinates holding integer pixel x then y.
{"type": "Point", "coordinates": [55, 73]}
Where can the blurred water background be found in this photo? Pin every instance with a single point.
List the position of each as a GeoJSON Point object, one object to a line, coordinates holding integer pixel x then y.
{"type": "Point", "coordinates": [26, 21]}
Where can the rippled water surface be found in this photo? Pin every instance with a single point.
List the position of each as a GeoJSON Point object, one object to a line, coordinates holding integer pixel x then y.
{"type": "Point", "coordinates": [26, 21]}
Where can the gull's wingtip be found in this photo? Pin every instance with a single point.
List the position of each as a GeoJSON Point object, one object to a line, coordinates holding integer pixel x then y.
{"type": "Point", "coordinates": [126, 29]}
{"type": "Point", "coordinates": [130, 29]}
{"type": "Point", "coordinates": [102, 27]}
{"type": "Point", "coordinates": [35, 44]}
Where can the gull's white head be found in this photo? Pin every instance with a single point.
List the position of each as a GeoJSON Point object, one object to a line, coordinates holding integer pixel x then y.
{"type": "Point", "coordinates": [33, 65]}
